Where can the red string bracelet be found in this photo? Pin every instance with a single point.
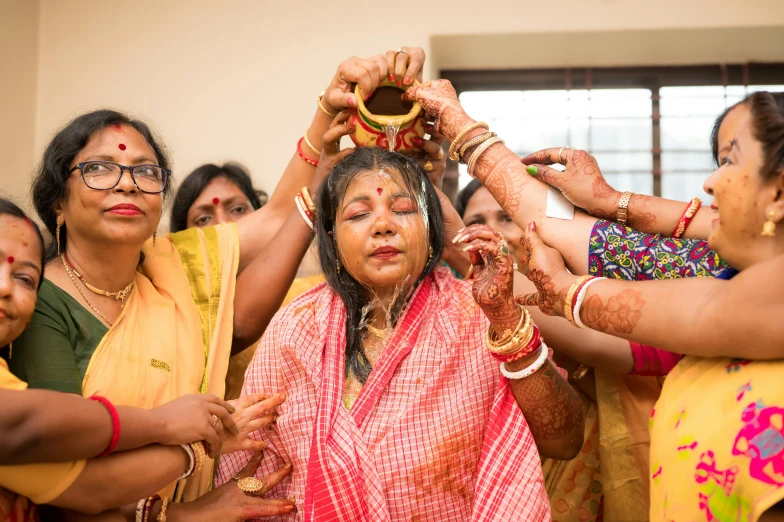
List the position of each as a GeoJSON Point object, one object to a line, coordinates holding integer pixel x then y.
{"type": "Point", "coordinates": [688, 214]}
{"type": "Point", "coordinates": [115, 424]}
{"type": "Point", "coordinates": [302, 154]}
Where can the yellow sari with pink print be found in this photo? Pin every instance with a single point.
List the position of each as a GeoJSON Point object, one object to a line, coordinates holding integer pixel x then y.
{"type": "Point", "coordinates": [717, 441]}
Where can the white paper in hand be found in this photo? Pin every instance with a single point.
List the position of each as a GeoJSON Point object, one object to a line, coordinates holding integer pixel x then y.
{"type": "Point", "coordinates": [558, 206]}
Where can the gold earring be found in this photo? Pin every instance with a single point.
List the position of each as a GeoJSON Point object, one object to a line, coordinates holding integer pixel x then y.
{"type": "Point", "coordinates": [57, 232]}
{"type": "Point", "coordinates": [337, 264]}
{"type": "Point", "coordinates": [10, 350]}
{"type": "Point", "coordinates": [430, 256]}
{"type": "Point", "coordinates": [769, 228]}
{"type": "Point", "coordinates": [154, 237]}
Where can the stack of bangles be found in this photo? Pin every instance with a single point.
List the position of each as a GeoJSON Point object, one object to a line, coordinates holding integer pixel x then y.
{"type": "Point", "coordinates": [575, 297]}
{"type": "Point", "coordinates": [688, 214]}
{"type": "Point", "coordinates": [196, 455]}
{"type": "Point", "coordinates": [458, 148]}
{"type": "Point", "coordinates": [514, 345]}
{"type": "Point", "coordinates": [302, 155]}
{"type": "Point", "coordinates": [306, 208]}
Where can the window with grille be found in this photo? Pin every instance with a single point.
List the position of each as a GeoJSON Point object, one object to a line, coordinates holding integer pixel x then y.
{"type": "Point", "coordinates": [649, 128]}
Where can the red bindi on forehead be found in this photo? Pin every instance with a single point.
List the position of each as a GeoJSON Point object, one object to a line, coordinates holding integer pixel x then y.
{"type": "Point", "coordinates": [10, 259]}
{"type": "Point", "coordinates": [379, 190]}
{"type": "Point", "coordinates": [215, 201]}
{"type": "Point", "coordinates": [122, 146]}
{"type": "Point", "coordinates": [117, 127]}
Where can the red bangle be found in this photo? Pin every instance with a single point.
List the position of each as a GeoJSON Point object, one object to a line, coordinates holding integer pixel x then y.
{"type": "Point", "coordinates": [302, 154]}
{"type": "Point", "coordinates": [115, 424]}
{"type": "Point", "coordinates": [688, 214]}
{"type": "Point", "coordinates": [308, 211]}
{"type": "Point", "coordinates": [531, 347]}
{"type": "Point", "coordinates": [148, 507]}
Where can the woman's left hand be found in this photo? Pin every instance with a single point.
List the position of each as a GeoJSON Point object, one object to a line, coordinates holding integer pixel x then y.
{"type": "Point", "coordinates": [253, 412]}
{"type": "Point", "coordinates": [493, 273]}
{"type": "Point", "coordinates": [545, 268]}
{"type": "Point", "coordinates": [331, 154]}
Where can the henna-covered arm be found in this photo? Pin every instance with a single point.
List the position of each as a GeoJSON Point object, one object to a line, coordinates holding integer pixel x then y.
{"type": "Point", "coordinates": [583, 183]}
{"type": "Point", "coordinates": [694, 316]}
{"type": "Point", "coordinates": [501, 172]}
{"type": "Point", "coordinates": [551, 406]}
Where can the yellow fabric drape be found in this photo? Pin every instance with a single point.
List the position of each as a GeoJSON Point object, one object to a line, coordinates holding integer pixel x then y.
{"type": "Point", "coordinates": [625, 404]}
{"type": "Point", "coordinates": [174, 334]}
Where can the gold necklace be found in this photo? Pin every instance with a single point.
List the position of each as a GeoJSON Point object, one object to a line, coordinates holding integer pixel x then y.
{"type": "Point", "coordinates": [117, 296]}
{"type": "Point", "coordinates": [70, 275]}
{"type": "Point", "coordinates": [381, 334]}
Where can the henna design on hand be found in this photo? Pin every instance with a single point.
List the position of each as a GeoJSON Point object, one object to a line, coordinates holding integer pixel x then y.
{"type": "Point", "coordinates": [639, 217]}
{"type": "Point", "coordinates": [550, 301]}
{"type": "Point", "coordinates": [621, 313]}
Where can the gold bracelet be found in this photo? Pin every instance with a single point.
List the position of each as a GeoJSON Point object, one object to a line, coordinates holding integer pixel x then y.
{"type": "Point", "coordinates": [474, 142]}
{"type": "Point", "coordinates": [479, 151]}
{"type": "Point", "coordinates": [513, 342]}
{"type": "Point", "coordinates": [199, 455]}
{"type": "Point", "coordinates": [162, 515]}
{"type": "Point", "coordinates": [456, 141]}
{"type": "Point", "coordinates": [570, 297]}
{"type": "Point", "coordinates": [580, 372]}
{"type": "Point", "coordinates": [310, 145]}
{"type": "Point", "coordinates": [623, 208]}
{"type": "Point", "coordinates": [308, 199]}
{"type": "Point", "coordinates": [508, 334]}
{"type": "Point", "coordinates": [318, 100]}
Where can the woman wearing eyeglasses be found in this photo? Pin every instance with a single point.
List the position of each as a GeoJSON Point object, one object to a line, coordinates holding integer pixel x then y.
{"type": "Point", "coordinates": [141, 319]}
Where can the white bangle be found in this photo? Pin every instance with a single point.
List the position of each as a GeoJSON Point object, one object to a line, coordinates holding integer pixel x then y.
{"type": "Point", "coordinates": [302, 212]}
{"type": "Point", "coordinates": [191, 465]}
{"type": "Point", "coordinates": [530, 370]}
{"type": "Point", "coordinates": [579, 301]}
{"type": "Point", "coordinates": [140, 510]}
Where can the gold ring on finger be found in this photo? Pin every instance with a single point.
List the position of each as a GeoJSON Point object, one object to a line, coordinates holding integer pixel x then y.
{"type": "Point", "coordinates": [214, 421]}
{"type": "Point", "coordinates": [560, 155]}
{"type": "Point", "coordinates": [250, 485]}
{"type": "Point", "coordinates": [403, 51]}
{"type": "Point", "coordinates": [428, 166]}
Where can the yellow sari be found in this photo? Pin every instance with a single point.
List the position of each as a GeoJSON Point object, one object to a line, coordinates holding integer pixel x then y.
{"type": "Point", "coordinates": [717, 450]}
{"type": "Point", "coordinates": [174, 335]}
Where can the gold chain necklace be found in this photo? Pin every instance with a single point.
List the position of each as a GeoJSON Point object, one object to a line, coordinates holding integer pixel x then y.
{"type": "Point", "coordinates": [117, 296]}
{"type": "Point", "coordinates": [78, 289]}
{"type": "Point", "coordinates": [381, 334]}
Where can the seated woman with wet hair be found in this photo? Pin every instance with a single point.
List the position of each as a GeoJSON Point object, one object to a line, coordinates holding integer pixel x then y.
{"type": "Point", "coordinates": [395, 409]}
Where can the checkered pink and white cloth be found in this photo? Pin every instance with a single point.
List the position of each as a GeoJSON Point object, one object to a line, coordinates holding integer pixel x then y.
{"type": "Point", "coordinates": [435, 434]}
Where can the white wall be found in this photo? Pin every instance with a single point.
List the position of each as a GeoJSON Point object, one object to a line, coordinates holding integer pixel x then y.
{"type": "Point", "coordinates": [238, 79]}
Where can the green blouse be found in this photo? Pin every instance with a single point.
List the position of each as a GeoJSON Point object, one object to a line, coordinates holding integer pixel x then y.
{"type": "Point", "coordinates": [54, 351]}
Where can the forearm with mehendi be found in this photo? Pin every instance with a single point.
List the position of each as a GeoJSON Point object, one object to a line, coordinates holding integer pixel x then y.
{"type": "Point", "coordinates": [552, 409]}
{"type": "Point", "coordinates": [696, 316]}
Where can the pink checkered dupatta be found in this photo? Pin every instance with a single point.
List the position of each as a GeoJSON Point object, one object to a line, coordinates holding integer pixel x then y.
{"type": "Point", "coordinates": [435, 434]}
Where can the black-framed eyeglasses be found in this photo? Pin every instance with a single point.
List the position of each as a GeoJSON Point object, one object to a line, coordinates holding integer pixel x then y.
{"type": "Point", "coordinates": [105, 175]}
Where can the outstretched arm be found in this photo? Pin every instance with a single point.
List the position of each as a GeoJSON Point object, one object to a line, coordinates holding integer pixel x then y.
{"type": "Point", "coordinates": [522, 196]}
{"type": "Point", "coordinates": [584, 185]}
{"type": "Point", "coordinates": [712, 317]}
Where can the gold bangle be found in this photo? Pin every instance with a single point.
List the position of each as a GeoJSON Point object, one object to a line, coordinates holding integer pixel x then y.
{"type": "Point", "coordinates": [623, 208]}
{"type": "Point", "coordinates": [308, 199]}
{"type": "Point", "coordinates": [479, 151]}
{"type": "Point", "coordinates": [310, 145]}
{"type": "Point", "coordinates": [580, 372]}
{"type": "Point", "coordinates": [508, 334]}
{"type": "Point", "coordinates": [318, 100]}
{"type": "Point", "coordinates": [474, 142]}
{"type": "Point", "coordinates": [162, 514]}
{"type": "Point", "coordinates": [514, 341]}
{"type": "Point", "coordinates": [199, 455]}
{"type": "Point", "coordinates": [456, 141]}
{"type": "Point", "coordinates": [570, 297]}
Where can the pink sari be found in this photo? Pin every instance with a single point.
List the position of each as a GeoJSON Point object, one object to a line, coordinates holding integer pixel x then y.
{"type": "Point", "coordinates": [435, 433]}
